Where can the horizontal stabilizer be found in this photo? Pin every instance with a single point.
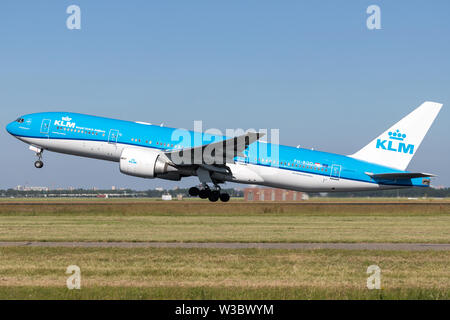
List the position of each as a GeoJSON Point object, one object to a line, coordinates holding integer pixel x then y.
{"type": "Point", "coordinates": [399, 175]}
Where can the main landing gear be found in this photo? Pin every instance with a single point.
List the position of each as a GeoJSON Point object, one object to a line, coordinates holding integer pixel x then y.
{"type": "Point", "coordinates": [206, 193]}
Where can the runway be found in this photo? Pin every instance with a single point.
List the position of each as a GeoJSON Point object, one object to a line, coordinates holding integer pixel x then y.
{"type": "Point", "coordinates": [237, 245]}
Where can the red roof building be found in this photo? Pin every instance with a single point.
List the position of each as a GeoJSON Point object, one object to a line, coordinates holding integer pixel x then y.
{"type": "Point", "coordinates": [272, 194]}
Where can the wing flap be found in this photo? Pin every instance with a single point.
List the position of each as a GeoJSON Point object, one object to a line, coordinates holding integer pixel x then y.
{"type": "Point", "coordinates": [219, 152]}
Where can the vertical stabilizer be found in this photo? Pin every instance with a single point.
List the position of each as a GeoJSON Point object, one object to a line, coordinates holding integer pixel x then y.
{"type": "Point", "coordinates": [396, 146]}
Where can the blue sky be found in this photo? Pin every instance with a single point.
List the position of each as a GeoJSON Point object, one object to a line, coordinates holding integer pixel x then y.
{"type": "Point", "coordinates": [310, 68]}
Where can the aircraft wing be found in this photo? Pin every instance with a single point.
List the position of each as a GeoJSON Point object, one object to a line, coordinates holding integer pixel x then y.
{"type": "Point", "coordinates": [399, 175]}
{"type": "Point", "coordinates": [220, 152]}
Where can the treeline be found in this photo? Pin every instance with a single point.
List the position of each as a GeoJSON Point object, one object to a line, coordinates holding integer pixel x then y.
{"type": "Point", "coordinates": [404, 193]}
{"type": "Point", "coordinates": [94, 193]}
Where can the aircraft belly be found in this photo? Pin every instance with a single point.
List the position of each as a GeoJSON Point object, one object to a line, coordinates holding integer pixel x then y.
{"type": "Point", "coordinates": [90, 149]}
{"type": "Point", "coordinates": [303, 181]}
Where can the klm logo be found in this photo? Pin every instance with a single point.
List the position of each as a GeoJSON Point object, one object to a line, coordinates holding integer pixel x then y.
{"type": "Point", "coordinates": [65, 122]}
{"type": "Point", "coordinates": [395, 143]}
{"type": "Point", "coordinates": [132, 161]}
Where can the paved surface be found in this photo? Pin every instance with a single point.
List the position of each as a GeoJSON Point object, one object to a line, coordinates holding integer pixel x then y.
{"type": "Point", "coordinates": [236, 245]}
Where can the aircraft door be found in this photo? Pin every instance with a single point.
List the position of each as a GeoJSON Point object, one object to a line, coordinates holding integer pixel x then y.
{"type": "Point", "coordinates": [113, 135]}
{"type": "Point", "coordinates": [45, 127]}
{"type": "Point", "coordinates": [335, 173]}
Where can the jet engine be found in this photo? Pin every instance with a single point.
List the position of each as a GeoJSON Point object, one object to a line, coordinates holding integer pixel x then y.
{"type": "Point", "coordinates": [144, 163]}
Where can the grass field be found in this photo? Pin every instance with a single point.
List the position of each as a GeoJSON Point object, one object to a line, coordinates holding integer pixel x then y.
{"type": "Point", "coordinates": [171, 273]}
{"type": "Point", "coordinates": [228, 229]}
{"type": "Point", "coordinates": [233, 222]}
{"type": "Point", "coordinates": [157, 273]}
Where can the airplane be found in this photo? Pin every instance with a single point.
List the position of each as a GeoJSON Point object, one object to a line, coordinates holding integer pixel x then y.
{"type": "Point", "coordinates": [150, 151]}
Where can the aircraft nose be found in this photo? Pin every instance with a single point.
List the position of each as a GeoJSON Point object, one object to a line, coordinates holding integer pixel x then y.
{"type": "Point", "coordinates": [10, 128]}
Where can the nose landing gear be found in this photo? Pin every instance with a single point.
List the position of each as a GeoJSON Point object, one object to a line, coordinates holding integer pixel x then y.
{"type": "Point", "coordinates": [39, 163]}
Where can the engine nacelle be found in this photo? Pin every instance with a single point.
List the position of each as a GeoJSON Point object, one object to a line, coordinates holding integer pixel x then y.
{"type": "Point", "coordinates": [144, 163]}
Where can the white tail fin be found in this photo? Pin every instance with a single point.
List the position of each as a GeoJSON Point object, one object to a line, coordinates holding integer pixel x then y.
{"type": "Point", "coordinates": [396, 146]}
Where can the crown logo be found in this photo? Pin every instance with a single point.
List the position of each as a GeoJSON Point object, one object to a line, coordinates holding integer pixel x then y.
{"type": "Point", "coordinates": [67, 118]}
{"type": "Point", "coordinates": [397, 135]}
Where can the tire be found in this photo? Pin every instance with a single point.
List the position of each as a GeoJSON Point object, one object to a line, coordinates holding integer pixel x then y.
{"type": "Point", "coordinates": [39, 164]}
{"type": "Point", "coordinates": [194, 191]}
{"type": "Point", "coordinates": [214, 196]}
{"type": "Point", "coordinates": [204, 193]}
{"type": "Point", "coordinates": [224, 197]}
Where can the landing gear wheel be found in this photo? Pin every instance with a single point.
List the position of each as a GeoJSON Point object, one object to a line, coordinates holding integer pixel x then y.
{"type": "Point", "coordinates": [204, 193]}
{"type": "Point", "coordinates": [39, 164]}
{"type": "Point", "coordinates": [224, 197]}
{"type": "Point", "coordinates": [214, 196]}
{"type": "Point", "coordinates": [194, 192]}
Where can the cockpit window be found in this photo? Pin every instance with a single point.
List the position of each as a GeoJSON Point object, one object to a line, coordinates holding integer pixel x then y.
{"type": "Point", "coordinates": [20, 120]}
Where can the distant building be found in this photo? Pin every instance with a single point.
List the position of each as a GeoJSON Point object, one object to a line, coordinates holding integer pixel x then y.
{"type": "Point", "coordinates": [22, 188]}
{"type": "Point", "coordinates": [273, 194]}
{"type": "Point", "coordinates": [166, 197]}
